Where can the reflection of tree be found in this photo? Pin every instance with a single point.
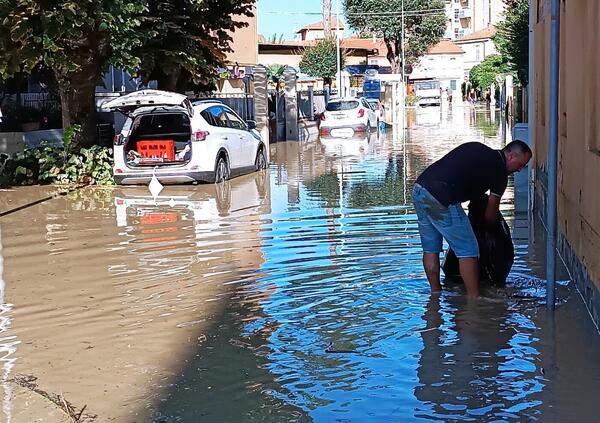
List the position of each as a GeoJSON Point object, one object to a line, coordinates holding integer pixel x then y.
{"type": "Point", "coordinates": [484, 122]}
{"type": "Point", "coordinates": [327, 186]}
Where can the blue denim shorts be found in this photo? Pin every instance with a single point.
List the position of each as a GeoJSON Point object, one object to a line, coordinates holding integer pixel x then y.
{"type": "Point", "coordinates": [438, 222]}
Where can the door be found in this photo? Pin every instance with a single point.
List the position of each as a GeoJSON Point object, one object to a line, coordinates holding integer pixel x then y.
{"type": "Point", "coordinates": [248, 143]}
{"type": "Point", "coordinates": [217, 117]}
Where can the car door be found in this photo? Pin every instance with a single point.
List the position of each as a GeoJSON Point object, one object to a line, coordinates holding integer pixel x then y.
{"type": "Point", "coordinates": [217, 116]}
{"type": "Point", "coordinates": [248, 143]}
{"type": "Point", "coordinates": [370, 112]}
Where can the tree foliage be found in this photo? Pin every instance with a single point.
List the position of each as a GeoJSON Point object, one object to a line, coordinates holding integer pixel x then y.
{"type": "Point", "coordinates": [75, 40]}
{"type": "Point", "coordinates": [186, 40]}
{"type": "Point", "coordinates": [173, 41]}
{"type": "Point", "coordinates": [424, 26]}
{"type": "Point", "coordinates": [512, 37]}
{"type": "Point", "coordinates": [320, 60]}
{"type": "Point", "coordinates": [484, 74]}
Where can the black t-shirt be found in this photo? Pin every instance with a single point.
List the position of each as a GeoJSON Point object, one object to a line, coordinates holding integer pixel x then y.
{"type": "Point", "coordinates": [466, 172]}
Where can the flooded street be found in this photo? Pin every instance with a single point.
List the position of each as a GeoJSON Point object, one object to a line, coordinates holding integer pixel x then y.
{"type": "Point", "coordinates": [292, 295]}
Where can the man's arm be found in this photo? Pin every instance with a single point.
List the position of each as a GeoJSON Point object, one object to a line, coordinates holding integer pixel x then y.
{"type": "Point", "coordinates": [492, 210]}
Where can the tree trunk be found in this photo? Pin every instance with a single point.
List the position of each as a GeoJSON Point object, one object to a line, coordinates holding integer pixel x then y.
{"type": "Point", "coordinates": [78, 90]}
{"type": "Point", "coordinates": [78, 101]}
{"type": "Point", "coordinates": [393, 55]}
{"type": "Point", "coordinates": [168, 82]}
{"type": "Point", "coordinates": [327, 18]}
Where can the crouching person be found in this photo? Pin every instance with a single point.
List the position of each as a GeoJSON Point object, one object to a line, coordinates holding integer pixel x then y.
{"type": "Point", "coordinates": [466, 172]}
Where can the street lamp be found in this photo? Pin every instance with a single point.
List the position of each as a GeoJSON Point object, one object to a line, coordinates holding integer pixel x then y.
{"type": "Point", "coordinates": [338, 53]}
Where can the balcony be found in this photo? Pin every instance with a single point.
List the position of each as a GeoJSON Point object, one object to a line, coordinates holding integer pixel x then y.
{"type": "Point", "coordinates": [466, 13]}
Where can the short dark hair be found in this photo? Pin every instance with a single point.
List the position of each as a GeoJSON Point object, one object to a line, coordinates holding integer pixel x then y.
{"type": "Point", "coordinates": [518, 146]}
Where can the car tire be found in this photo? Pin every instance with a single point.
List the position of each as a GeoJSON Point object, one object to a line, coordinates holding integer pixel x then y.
{"type": "Point", "coordinates": [261, 160]}
{"type": "Point", "coordinates": [221, 170]}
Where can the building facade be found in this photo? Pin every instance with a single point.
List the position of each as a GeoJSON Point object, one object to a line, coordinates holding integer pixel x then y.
{"type": "Point", "coordinates": [477, 46]}
{"type": "Point", "coordinates": [468, 16]}
{"type": "Point", "coordinates": [444, 62]}
{"type": "Point", "coordinates": [578, 133]}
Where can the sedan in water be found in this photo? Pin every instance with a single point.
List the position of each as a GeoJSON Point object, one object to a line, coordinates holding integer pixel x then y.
{"type": "Point", "coordinates": [346, 116]}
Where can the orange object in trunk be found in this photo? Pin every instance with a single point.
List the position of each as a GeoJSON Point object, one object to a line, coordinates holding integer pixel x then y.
{"type": "Point", "coordinates": [157, 149]}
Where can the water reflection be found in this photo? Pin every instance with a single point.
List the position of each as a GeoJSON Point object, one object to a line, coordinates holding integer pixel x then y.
{"type": "Point", "coordinates": [290, 295]}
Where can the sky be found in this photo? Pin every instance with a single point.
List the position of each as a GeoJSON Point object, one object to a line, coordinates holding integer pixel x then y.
{"type": "Point", "coordinates": [288, 16]}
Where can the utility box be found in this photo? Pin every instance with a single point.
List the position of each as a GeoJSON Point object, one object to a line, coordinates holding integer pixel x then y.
{"type": "Point", "coordinates": [522, 185]}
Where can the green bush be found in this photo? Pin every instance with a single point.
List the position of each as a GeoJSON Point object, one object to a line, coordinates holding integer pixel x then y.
{"type": "Point", "coordinates": [59, 165]}
{"type": "Point", "coordinates": [412, 100]}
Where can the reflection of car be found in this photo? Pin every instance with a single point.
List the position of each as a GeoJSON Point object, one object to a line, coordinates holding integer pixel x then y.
{"type": "Point", "coordinates": [346, 116]}
{"type": "Point", "coordinates": [358, 145]}
{"type": "Point", "coordinates": [377, 106]}
{"type": "Point", "coordinates": [161, 214]}
{"type": "Point", "coordinates": [166, 135]}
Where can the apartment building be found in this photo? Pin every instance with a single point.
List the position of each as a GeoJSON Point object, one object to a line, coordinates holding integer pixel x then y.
{"type": "Point", "coordinates": [468, 16]}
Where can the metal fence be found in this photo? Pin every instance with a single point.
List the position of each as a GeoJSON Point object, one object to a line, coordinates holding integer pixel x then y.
{"type": "Point", "coordinates": [40, 101]}
{"type": "Point", "coordinates": [242, 104]}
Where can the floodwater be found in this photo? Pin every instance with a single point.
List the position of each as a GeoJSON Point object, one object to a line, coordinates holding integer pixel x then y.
{"type": "Point", "coordinates": [293, 295]}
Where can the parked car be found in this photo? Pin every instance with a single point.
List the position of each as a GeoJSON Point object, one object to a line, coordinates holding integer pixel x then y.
{"type": "Point", "coordinates": [168, 136]}
{"type": "Point", "coordinates": [377, 106]}
{"type": "Point", "coordinates": [428, 92]}
{"type": "Point", "coordinates": [345, 116]}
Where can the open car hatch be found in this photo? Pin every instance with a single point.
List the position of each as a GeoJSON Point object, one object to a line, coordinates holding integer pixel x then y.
{"type": "Point", "coordinates": [145, 98]}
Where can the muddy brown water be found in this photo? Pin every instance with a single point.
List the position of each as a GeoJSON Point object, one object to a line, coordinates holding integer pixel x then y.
{"type": "Point", "coordinates": [295, 294]}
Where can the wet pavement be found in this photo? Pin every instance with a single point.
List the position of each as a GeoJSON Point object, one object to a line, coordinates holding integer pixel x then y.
{"type": "Point", "coordinates": [295, 294]}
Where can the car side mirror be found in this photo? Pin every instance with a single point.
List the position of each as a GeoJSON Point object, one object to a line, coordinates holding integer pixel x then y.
{"type": "Point", "coordinates": [251, 124]}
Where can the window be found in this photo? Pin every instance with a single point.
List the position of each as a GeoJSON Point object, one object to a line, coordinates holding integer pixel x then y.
{"type": "Point", "coordinates": [453, 84]}
{"type": "Point", "coordinates": [456, 15]}
{"type": "Point", "coordinates": [455, 32]}
{"type": "Point", "coordinates": [477, 53]}
{"type": "Point", "coordinates": [234, 121]}
{"type": "Point", "coordinates": [215, 116]}
{"type": "Point", "coordinates": [336, 106]}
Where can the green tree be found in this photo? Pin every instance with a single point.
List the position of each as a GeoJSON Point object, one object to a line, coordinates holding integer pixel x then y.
{"type": "Point", "coordinates": [512, 37]}
{"type": "Point", "coordinates": [484, 74]}
{"type": "Point", "coordinates": [75, 40]}
{"type": "Point", "coordinates": [320, 60]}
{"type": "Point", "coordinates": [187, 40]}
{"type": "Point", "coordinates": [424, 26]}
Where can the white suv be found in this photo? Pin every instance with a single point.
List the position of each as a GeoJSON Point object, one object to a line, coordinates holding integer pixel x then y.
{"type": "Point", "coordinates": [347, 116]}
{"type": "Point", "coordinates": [168, 136]}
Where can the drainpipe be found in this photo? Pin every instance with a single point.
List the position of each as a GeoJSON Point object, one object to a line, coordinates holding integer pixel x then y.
{"type": "Point", "coordinates": [552, 152]}
{"type": "Point", "coordinates": [530, 94]}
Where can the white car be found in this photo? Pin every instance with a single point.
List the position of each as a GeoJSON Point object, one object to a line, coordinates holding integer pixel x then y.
{"type": "Point", "coordinates": [344, 117]}
{"type": "Point", "coordinates": [168, 136]}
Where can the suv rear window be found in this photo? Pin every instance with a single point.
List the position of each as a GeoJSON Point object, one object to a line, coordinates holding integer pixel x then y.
{"type": "Point", "coordinates": [336, 106]}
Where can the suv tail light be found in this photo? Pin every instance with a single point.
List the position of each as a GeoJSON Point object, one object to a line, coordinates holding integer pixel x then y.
{"type": "Point", "coordinates": [361, 112]}
{"type": "Point", "coordinates": [118, 139]}
{"type": "Point", "coordinates": [322, 116]}
{"type": "Point", "coordinates": [200, 135]}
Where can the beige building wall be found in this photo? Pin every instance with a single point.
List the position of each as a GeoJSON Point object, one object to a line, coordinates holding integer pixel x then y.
{"type": "Point", "coordinates": [579, 128]}
{"type": "Point", "coordinates": [245, 42]}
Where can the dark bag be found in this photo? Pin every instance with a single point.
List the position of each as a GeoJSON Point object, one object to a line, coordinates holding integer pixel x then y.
{"type": "Point", "coordinates": [496, 249]}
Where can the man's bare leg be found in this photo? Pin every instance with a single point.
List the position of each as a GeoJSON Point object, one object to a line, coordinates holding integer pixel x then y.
{"type": "Point", "coordinates": [431, 263]}
{"type": "Point", "coordinates": [469, 271]}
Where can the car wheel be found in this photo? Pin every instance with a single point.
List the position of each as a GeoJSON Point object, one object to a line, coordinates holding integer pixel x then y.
{"type": "Point", "coordinates": [261, 160]}
{"type": "Point", "coordinates": [221, 170]}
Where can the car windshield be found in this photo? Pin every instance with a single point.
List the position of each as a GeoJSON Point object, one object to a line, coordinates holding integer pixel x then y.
{"type": "Point", "coordinates": [336, 106]}
{"type": "Point", "coordinates": [373, 103]}
{"type": "Point", "coordinates": [433, 85]}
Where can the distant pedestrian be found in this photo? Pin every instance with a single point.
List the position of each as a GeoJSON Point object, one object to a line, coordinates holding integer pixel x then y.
{"type": "Point", "coordinates": [465, 173]}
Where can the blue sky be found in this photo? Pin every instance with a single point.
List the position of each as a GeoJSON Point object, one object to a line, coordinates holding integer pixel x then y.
{"type": "Point", "coordinates": [287, 16]}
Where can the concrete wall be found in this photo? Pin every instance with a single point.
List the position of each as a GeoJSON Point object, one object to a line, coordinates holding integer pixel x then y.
{"type": "Point", "coordinates": [245, 42]}
{"type": "Point", "coordinates": [579, 134]}
{"type": "Point", "coordinates": [13, 142]}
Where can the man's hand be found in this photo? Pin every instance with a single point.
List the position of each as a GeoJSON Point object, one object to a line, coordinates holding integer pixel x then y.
{"type": "Point", "coordinates": [492, 210]}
